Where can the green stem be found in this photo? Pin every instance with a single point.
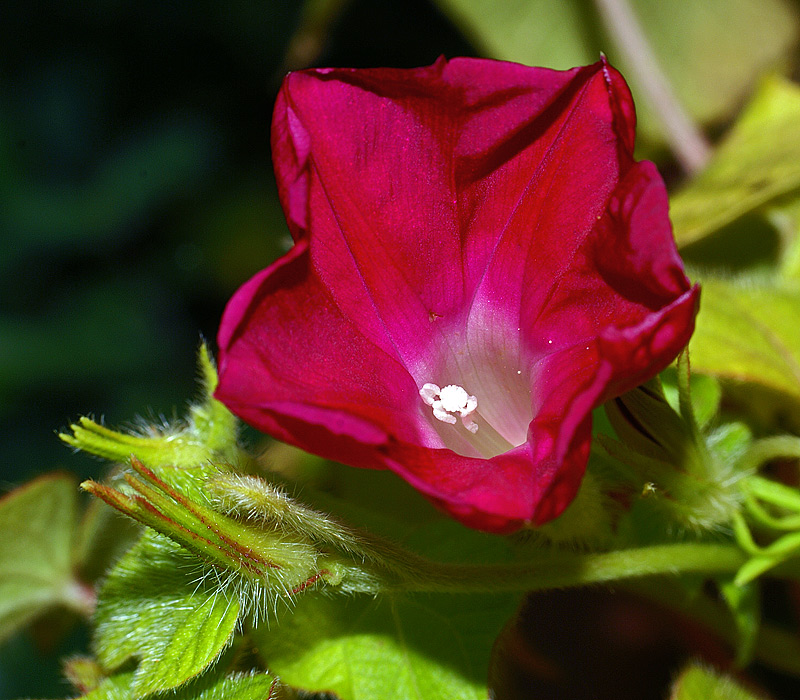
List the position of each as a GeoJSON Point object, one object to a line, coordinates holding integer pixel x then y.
{"type": "Point", "coordinates": [685, 397]}
{"type": "Point", "coordinates": [392, 568]}
{"type": "Point", "coordinates": [767, 449]}
{"type": "Point", "coordinates": [568, 569]}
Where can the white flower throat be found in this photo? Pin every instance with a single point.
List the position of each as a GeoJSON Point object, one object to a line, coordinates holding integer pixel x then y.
{"type": "Point", "coordinates": [449, 401]}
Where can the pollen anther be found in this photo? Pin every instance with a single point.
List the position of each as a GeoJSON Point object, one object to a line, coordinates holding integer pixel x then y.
{"type": "Point", "coordinates": [449, 400]}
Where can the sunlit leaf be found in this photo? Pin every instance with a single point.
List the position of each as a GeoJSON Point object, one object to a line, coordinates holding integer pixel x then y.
{"type": "Point", "coordinates": [153, 606]}
{"type": "Point", "coordinates": [758, 162]}
{"type": "Point", "coordinates": [396, 647]}
{"type": "Point", "coordinates": [785, 217]}
{"type": "Point", "coordinates": [114, 688]}
{"type": "Point", "coordinates": [38, 526]}
{"type": "Point", "coordinates": [421, 647]}
{"type": "Point", "coordinates": [745, 333]}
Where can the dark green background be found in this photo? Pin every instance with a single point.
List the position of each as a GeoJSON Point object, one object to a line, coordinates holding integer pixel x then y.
{"type": "Point", "coordinates": [136, 195]}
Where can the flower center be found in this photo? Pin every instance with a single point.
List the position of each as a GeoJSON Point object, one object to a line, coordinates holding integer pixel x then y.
{"type": "Point", "coordinates": [449, 400]}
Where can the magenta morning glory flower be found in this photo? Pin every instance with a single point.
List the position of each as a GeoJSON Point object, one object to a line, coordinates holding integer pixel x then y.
{"type": "Point", "coordinates": [478, 263]}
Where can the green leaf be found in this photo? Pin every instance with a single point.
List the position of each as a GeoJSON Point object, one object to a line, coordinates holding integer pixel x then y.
{"type": "Point", "coordinates": [396, 647]}
{"type": "Point", "coordinates": [38, 526]}
{"type": "Point", "coordinates": [698, 44]}
{"type": "Point", "coordinates": [155, 606]}
{"type": "Point", "coordinates": [114, 688]}
{"type": "Point", "coordinates": [745, 334]}
{"type": "Point", "coordinates": [534, 32]}
{"type": "Point", "coordinates": [785, 218]}
{"type": "Point", "coordinates": [411, 648]}
{"type": "Point", "coordinates": [700, 683]}
{"type": "Point", "coordinates": [238, 686]}
{"type": "Point", "coordinates": [757, 163]}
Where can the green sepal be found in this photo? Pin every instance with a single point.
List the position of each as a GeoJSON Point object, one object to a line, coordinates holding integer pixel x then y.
{"type": "Point", "coordinates": [729, 443]}
{"type": "Point", "coordinates": [645, 422]}
{"type": "Point", "coordinates": [209, 432]}
{"type": "Point", "coordinates": [706, 395]}
{"type": "Point", "coordinates": [669, 464]}
{"type": "Point", "coordinates": [162, 607]}
{"type": "Point", "coordinates": [273, 562]}
{"type": "Point", "coordinates": [83, 673]}
{"type": "Point", "coordinates": [700, 683]}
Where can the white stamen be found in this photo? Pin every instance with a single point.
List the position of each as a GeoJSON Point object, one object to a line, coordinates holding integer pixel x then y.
{"type": "Point", "coordinates": [449, 400]}
{"type": "Point", "coordinates": [429, 392]}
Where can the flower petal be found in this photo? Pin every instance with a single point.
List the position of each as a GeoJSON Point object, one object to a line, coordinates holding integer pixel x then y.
{"type": "Point", "coordinates": [286, 349]}
{"type": "Point", "coordinates": [474, 223]}
{"type": "Point", "coordinates": [437, 176]}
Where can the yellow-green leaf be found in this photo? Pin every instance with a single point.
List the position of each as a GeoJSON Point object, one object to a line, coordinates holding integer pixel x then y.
{"type": "Point", "coordinates": [38, 523]}
{"type": "Point", "coordinates": [154, 607]}
{"type": "Point", "coordinates": [749, 332]}
{"type": "Point", "coordinates": [758, 162]}
{"type": "Point", "coordinates": [433, 647]}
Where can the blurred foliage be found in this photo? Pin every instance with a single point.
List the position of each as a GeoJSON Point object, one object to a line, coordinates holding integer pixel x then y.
{"type": "Point", "coordinates": [756, 164]}
{"type": "Point", "coordinates": [136, 194]}
{"type": "Point", "coordinates": [35, 566]}
{"type": "Point", "coordinates": [711, 51]}
{"type": "Point", "coordinates": [136, 190]}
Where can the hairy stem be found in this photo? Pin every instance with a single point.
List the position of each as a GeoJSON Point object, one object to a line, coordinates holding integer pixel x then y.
{"type": "Point", "coordinates": [567, 569]}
